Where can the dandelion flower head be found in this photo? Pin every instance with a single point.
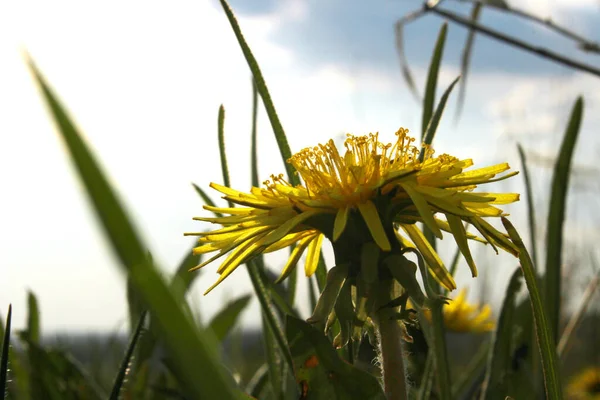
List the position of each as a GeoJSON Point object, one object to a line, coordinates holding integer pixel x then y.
{"type": "Point", "coordinates": [374, 191]}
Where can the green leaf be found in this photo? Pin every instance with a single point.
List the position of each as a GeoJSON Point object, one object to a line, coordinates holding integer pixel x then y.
{"type": "Point", "coordinates": [33, 318]}
{"type": "Point", "coordinates": [261, 86]}
{"type": "Point", "coordinates": [437, 116]}
{"type": "Point", "coordinates": [222, 323]}
{"type": "Point", "coordinates": [126, 362]}
{"type": "Point", "coordinates": [530, 208]}
{"type": "Point", "coordinates": [187, 346]}
{"type": "Point", "coordinates": [321, 273]}
{"type": "Point", "coordinates": [344, 311]}
{"type": "Point", "coordinates": [499, 369]}
{"type": "Point", "coordinates": [466, 59]}
{"type": "Point", "coordinates": [543, 330]}
{"type": "Point", "coordinates": [322, 374]}
{"type": "Point", "coordinates": [410, 82]}
{"type": "Point", "coordinates": [556, 217]}
{"type": "Point", "coordinates": [432, 78]}
{"type": "Point", "coordinates": [5, 351]}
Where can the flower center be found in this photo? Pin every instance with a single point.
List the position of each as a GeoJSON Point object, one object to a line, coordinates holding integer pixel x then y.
{"type": "Point", "coordinates": [354, 177]}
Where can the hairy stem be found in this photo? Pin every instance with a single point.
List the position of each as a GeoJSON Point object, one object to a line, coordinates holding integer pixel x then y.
{"type": "Point", "coordinates": [390, 343]}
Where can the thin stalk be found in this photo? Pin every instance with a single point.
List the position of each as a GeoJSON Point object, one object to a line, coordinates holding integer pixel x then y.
{"type": "Point", "coordinates": [390, 343]}
{"type": "Point", "coordinates": [584, 44]}
{"type": "Point", "coordinates": [576, 319]}
{"type": "Point", "coordinates": [440, 351]}
{"type": "Point", "coordinates": [544, 53]}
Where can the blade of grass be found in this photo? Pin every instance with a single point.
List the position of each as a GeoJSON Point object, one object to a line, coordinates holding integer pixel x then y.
{"type": "Point", "coordinates": [261, 86]}
{"type": "Point", "coordinates": [556, 217]}
{"type": "Point", "coordinates": [577, 317]}
{"type": "Point", "coordinates": [501, 353]}
{"type": "Point", "coordinates": [125, 363]}
{"type": "Point", "coordinates": [187, 346]}
{"type": "Point", "coordinates": [254, 137]}
{"type": "Point", "coordinates": [437, 116]}
{"type": "Point", "coordinates": [223, 154]}
{"type": "Point", "coordinates": [410, 82]}
{"type": "Point", "coordinates": [225, 319]}
{"type": "Point", "coordinates": [466, 60]}
{"type": "Point", "coordinates": [5, 348]}
{"type": "Point", "coordinates": [271, 354]}
{"type": "Point", "coordinates": [33, 318]}
{"type": "Point", "coordinates": [182, 275]}
{"type": "Point", "coordinates": [207, 200]}
{"type": "Point", "coordinates": [269, 313]}
{"type": "Point", "coordinates": [543, 330]}
{"type": "Point", "coordinates": [530, 208]}
{"type": "Point", "coordinates": [258, 381]}
{"type": "Point", "coordinates": [432, 78]}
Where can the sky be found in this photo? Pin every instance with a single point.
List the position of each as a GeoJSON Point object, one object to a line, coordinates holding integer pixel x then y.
{"type": "Point", "coordinates": [144, 81]}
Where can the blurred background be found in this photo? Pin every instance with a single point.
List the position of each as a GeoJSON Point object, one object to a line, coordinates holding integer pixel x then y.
{"type": "Point", "coordinates": [144, 81]}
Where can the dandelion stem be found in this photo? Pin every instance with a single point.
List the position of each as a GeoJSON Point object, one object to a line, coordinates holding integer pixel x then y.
{"type": "Point", "coordinates": [390, 343]}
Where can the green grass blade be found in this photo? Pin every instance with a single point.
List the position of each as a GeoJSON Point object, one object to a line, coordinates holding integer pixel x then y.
{"type": "Point", "coordinates": [258, 382]}
{"type": "Point", "coordinates": [543, 330]}
{"type": "Point", "coordinates": [577, 317]}
{"type": "Point", "coordinates": [439, 347]}
{"type": "Point", "coordinates": [182, 276]}
{"type": "Point", "coordinates": [5, 351]}
{"type": "Point", "coordinates": [222, 323]}
{"type": "Point", "coordinates": [33, 318]}
{"type": "Point", "coordinates": [125, 363]}
{"type": "Point", "coordinates": [124, 239]}
{"type": "Point", "coordinates": [501, 353]}
{"type": "Point", "coordinates": [530, 208]}
{"type": "Point", "coordinates": [556, 217]}
{"type": "Point", "coordinates": [466, 59]}
{"type": "Point", "coordinates": [272, 330]}
{"type": "Point", "coordinates": [254, 137]}
{"type": "Point", "coordinates": [437, 116]}
{"type": "Point", "coordinates": [271, 355]}
{"type": "Point", "coordinates": [207, 200]}
{"type": "Point", "coordinates": [261, 86]}
{"type": "Point", "coordinates": [187, 346]}
{"type": "Point", "coordinates": [269, 313]}
{"type": "Point", "coordinates": [408, 77]}
{"type": "Point", "coordinates": [222, 153]}
{"type": "Point", "coordinates": [432, 78]}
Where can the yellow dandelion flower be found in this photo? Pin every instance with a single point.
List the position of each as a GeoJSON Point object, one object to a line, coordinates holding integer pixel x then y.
{"type": "Point", "coordinates": [462, 316]}
{"type": "Point", "coordinates": [365, 194]}
{"type": "Point", "coordinates": [585, 385]}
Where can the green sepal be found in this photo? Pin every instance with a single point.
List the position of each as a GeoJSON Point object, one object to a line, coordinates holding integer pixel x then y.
{"type": "Point", "coordinates": [335, 280]}
{"type": "Point", "coordinates": [345, 314]}
{"type": "Point", "coordinates": [404, 271]}
{"type": "Point", "coordinates": [369, 262]}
